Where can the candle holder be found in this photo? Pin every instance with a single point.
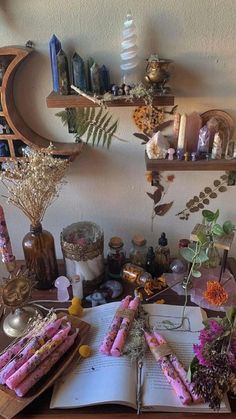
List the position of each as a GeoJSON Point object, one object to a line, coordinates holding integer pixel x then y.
{"type": "Point", "coordinates": [15, 292]}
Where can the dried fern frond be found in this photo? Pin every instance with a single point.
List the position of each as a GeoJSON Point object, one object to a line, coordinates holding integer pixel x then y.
{"type": "Point", "coordinates": [97, 125]}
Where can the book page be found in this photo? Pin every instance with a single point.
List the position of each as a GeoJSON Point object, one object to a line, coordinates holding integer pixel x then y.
{"type": "Point", "coordinates": [100, 378]}
{"type": "Point", "coordinates": [157, 393]}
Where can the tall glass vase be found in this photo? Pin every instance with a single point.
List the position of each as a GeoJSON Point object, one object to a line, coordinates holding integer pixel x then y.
{"type": "Point", "coordinates": [40, 256]}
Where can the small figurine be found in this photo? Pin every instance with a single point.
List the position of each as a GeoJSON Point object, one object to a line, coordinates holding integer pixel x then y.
{"type": "Point", "coordinates": [97, 298]}
{"type": "Point", "coordinates": [180, 154]}
{"type": "Point", "coordinates": [171, 152]}
{"type": "Point", "coordinates": [186, 156]}
{"type": "Point", "coordinates": [62, 283]}
{"type": "Point", "coordinates": [114, 89]}
{"type": "Point", "coordinates": [217, 147]}
{"type": "Point", "coordinates": [194, 156]}
{"type": "Point", "coordinates": [126, 89]}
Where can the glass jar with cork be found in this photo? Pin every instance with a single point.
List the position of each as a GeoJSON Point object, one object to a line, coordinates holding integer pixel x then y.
{"type": "Point", "coordinates": [138, 251]}
{"type": "Point", "coordinates": [115, 257]}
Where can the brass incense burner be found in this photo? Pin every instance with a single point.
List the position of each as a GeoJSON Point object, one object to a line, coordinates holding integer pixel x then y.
{"type": "Point", "coordinates": [157, 73]}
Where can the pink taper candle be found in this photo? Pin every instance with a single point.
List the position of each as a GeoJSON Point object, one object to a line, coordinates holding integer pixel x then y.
{"type": "Point", "coordinates": [35, 360]}
{"type": "Point", "coordinates": [44, 367]}
{"type": "Point", "coordinates": [122, 334]}
{"type": "Point", "coordinates": [13, 350]}
{"type": "Point", "coordinates": [168, 370]}
{"type": "Point", "coordinates": [5, 243]}
{"type": "Point", "coordinates": [114, 328]}
{"type": "Point", "coordinates": [32, 346]}
{"type": "Point", "coordinates": [178, 366]}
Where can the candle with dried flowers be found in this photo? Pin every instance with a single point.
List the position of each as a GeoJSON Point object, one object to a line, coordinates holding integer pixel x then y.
{"type": "Point", "coordinates": [114, 328]}
{"type": "Point", "coordinates": [178, 366]}
{"type": "Point", "coordinates": [160, 354]}
{"type": "Point", "coordinates": [32, 346]}
{"type": "Point", "coordinates": [45, 351]}
{"type": "Point", "coordinates": [45, 366]}
{"type": "Point", "coordinates": [5, 243]}
{"type": "Point", "coordinates": [121, 336]}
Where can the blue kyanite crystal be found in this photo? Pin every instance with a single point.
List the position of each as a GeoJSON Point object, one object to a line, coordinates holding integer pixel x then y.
{"type": "Point", "coordinates": [95, 78]}
{"type": "Point", "coordinates": [105, 79]}
{"type": "Point", "coordinates": [54, 46]}
{"type": "Point", "coordinates": [78, 72]}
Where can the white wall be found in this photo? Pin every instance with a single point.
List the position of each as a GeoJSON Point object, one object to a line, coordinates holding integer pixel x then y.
{"type": "Point", "coordinates": [109, 187]}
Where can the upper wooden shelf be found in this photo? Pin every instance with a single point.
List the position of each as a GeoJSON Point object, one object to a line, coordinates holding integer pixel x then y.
{"type": "Point", "coordinates": [54, 100]}
{"type": "Point", "coordinates": [159, 165]}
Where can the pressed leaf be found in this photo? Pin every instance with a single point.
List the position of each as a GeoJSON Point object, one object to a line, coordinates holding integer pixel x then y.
{"type": "Point", "coordinates": [150, 195]}
{"type": "Point", "coordinates": [216, 182]}
{"type": "Point", "coordinates": [90, 130]}
{"type": "Point", "coordinates": [208, 190]}
{"type": "Point", "coordinates": [213, 195]}
{"type": "Point", "coordinates": [189, 204]}
{"type": "Point", "coordinates": [104, 138]}
{"type": "Point", "coordinates": [195, 198]}
{"type": "Point", "coordinates": [163, 208]}
{"type": "Point", "coordinates": [194, 209]}
{"type": "Point", "coordinates": [107, 122]}
{"type": "Point", "coordinates": [222, 189]}
{"type": "Point", "coordinates": [99, 135]}
{"type": "Point", "coordinates": [143, 137]}
{"type": "Point", "coordinates": [224, 177]}
{"type": "Point", "coordinates": [163, 125]}
{"type": "Point", "coordinates": [98, 116]}
{"type": "Point", "coordinates": [206, 201]}
{"type": "Point", "coordinates": [92, 114]}
{"type": "Point", "coordinates": [200, 205]}
{"type": "Point", "coordinates": [202, 195]}
{"type": "Point", "coordinates": [157, 195]}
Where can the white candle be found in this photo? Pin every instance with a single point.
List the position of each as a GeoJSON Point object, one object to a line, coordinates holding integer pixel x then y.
{"type": "Point", "coordinates": [182, 129]}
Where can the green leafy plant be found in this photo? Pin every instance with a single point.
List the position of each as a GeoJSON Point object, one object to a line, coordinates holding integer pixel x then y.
{"type": "Point", "coordinates": [97, 125]}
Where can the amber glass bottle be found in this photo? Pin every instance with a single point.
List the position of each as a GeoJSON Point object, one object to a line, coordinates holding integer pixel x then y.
{"type": "Point", "coordinates": [40, 256]}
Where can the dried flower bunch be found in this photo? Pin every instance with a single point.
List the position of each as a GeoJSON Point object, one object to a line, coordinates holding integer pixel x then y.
{"type": "Point", "coordinates": [213, 369]}
{"type": "Point", "coordinates": [33, 184]}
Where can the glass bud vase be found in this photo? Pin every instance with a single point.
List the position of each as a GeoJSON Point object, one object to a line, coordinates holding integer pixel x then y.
{"type": "Point", "coordinates": [40, 256]}
{"type": "Point", "coordinates": [213, 257]}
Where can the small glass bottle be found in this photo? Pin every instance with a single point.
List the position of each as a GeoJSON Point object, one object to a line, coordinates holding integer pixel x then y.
{"type": "Point", "coordinates": [213, 256]}
{"type": "Point", "coordinates": [138, 251]}
{"type": "Point", "coordinates": [150, 261]}
{"type": "Point", "coordinates": [115, 257]}
{"type": "Point", "coordinates": [135, 274]}
{"type": "Point", "coordinates": [162, 255]}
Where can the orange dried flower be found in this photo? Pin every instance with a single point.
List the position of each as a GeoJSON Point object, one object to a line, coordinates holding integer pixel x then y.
{"type": "Point", "coordinates": [149, 176]}
{"type": "Point", "coordinates": [215, 293]}
{"type": "Point", "coordinates": [170, 178]}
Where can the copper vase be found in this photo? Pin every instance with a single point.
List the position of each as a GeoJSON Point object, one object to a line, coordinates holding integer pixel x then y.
{"type": "Point", "coordinates": [40, 256]}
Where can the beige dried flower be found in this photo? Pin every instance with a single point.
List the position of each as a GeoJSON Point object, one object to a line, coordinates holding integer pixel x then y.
{"type": "Point", "coordinates": [33, 184]}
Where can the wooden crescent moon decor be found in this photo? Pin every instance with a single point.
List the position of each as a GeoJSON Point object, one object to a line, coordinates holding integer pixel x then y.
{"type": "Point", "coordinates": [14, 131]}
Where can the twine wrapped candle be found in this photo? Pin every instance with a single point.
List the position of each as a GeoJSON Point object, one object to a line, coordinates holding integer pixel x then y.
{"type": "Point", "coordinates": [124, 328]}
{"type": "Point", "coordinates": [160, 354]}
{"type": "Point", "coordinates": [5, 243]}
{"type": "Point", "coordinates": [107, 343]}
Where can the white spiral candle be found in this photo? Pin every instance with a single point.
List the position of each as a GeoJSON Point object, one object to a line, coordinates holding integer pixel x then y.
{"type": "Point", "coordinates": [129, 50]}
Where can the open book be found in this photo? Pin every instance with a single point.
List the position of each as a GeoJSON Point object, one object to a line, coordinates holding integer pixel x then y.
{"type": "Point", "coordinates": [103, 379]}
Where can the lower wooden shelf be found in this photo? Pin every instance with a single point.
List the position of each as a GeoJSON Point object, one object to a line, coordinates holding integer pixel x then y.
{"type": "Point", "coordinates": [159, 165]}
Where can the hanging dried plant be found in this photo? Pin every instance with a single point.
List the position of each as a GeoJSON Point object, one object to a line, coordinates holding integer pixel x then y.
{"type": "Point", "coordinates": [198, 202]}
{"type": "Point", "coordinates": [159, 209]}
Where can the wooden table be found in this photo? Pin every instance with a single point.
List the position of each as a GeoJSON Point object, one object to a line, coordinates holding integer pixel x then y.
{"type": "Point", "coordinates": [39, 408]}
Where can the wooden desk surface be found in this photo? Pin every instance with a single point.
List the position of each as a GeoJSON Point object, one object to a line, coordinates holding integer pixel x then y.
{"type": "Point", "coordinates": [39, 409]}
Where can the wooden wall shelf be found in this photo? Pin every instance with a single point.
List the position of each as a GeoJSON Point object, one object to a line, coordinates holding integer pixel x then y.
{"type": "Point", "coordinates": [159, 165]}
{"type": "Point", "coordinates": [10, 59]}
{"type": "Point", "coordinates": [54, 100]}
